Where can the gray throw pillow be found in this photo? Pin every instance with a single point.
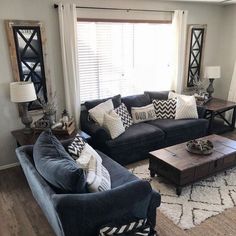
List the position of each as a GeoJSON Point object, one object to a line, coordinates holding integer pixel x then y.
{"type": "Point", "coordinates": [56, 166]}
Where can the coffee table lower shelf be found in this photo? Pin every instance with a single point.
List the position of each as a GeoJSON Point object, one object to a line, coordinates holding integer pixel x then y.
{"type": "Point", "coordinates": [182, 168]}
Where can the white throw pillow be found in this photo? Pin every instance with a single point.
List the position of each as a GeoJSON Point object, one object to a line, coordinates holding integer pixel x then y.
{"type": "Point", "coordinates": [86, 155]}
{"type": "Point", "coordinates": [141, 114]}
{"type": "Point", "coordinates": [177, 95]}
{"type": "Point", "coordinates": [113, 123]}
{"type": "Point", "coordinates": [186, 108]}
{"type": "Point", "coordinates": [98, 177]}
{"type": "Point", "coordinates": [97, 113]}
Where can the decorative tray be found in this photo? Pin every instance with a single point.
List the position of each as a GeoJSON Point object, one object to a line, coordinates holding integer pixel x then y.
{"type": "Point", "coordinates": [68, 129]}
{"type": "Point", "coordinates": [201, 147]}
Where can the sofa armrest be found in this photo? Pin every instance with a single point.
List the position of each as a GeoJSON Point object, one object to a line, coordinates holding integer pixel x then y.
{"type": "Point", "coordinates": [201, 111]}
{"type": "Point", "coordinates": [84, 214]}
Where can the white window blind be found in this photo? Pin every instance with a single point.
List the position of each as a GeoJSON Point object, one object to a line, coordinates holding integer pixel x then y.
{"type": "Point", "coordinates": [123, 58]}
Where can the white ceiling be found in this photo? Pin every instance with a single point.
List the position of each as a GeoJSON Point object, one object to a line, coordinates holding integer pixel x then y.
{"type": "Point", "coordinates": [209, 1]}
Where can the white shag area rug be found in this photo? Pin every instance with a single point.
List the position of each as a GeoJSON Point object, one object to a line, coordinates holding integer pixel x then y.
{"type": "Point", "coordinates": [197, 202]}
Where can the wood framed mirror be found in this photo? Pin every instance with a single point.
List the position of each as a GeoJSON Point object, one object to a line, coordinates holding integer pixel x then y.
{"type": "Point", "coordinates": [27, 47]}
{"type": "Point", "coordinates": [196, 35]}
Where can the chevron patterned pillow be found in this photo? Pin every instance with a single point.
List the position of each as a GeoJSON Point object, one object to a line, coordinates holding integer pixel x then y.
{"type": "Point", "coordinates": [139, 227]}
{"type": "Point", "coordinates": [165, 109]}
{"type": "Point", "coordinates": [76, 147]}
{"type": "Point", "coordinates": [126, 119]}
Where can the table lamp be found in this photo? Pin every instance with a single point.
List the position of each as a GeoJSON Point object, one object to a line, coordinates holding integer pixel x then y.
{"type": "Point", "coordinates": [211, 73]}
{"type": "Point", "coordinates": [23, 93]}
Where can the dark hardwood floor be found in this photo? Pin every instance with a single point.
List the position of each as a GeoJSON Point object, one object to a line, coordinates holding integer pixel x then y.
{"type": "Point", "coordinates": [19, 213]}
{"type": "Point", "coordinates": [21, 216]}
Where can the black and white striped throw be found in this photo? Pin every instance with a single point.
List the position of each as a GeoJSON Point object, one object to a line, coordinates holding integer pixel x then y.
{"type": "Point", "coordinates": [76, 147]}
{"type": "Point", "coordinates": [135, 228]}
{"type": "Point", "coordinates": [165, 109]}
{"type": "Point", "coordinates": [126, 119]}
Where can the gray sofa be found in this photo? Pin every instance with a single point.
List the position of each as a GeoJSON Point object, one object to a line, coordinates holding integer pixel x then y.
{"type": "Point", "coordinates": [139, 139]}
{"type": "Point", "coordinates": [83, 214]}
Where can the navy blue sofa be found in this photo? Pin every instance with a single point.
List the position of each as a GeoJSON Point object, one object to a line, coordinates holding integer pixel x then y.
{"type": "Point", "coordinates": [83, 214]}
{"type": "Point", "coordinates": [139, 139]}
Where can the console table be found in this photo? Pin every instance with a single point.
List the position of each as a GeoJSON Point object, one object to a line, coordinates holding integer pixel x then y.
{"type": "Point", "coordinates": [216, 108]}
{"type": "Point", "coordinates": [30, 139]}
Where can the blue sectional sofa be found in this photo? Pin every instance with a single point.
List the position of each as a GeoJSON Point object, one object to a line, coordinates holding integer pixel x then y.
{"type": "Point", "coordinates": [84, 214]}
{"type": "Point", "coordinates": [139, 139]}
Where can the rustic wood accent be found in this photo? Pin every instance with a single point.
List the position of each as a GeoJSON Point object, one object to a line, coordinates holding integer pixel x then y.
{"type": "Point", "coordinates": [183, 168]}
{"type": "Point", "coordinates": [187, 51]}
{"type": "Point", "coordinates": [13, 55]}
{"type": "Point", "coordinates": [30, 139]}
{"type": "Point", "coordinates": [217, 104]}
{"type": "Point", "coordinates": [216, 108]}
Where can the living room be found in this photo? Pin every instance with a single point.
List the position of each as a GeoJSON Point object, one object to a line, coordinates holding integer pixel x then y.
{"type": "Point", "coordinates": [21, 214]}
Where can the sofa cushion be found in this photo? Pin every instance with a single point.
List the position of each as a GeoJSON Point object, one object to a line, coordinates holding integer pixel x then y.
{"type": "Point", "coordinates": [56, 166]}
{"type": "Point", "coordinates": [159, 95]}
{"type": "Point", "coordinates": [119, 175]}
{"type": "Point", "coordinates": [93, 103]}
{"type": "Point", "coordinates": [136, 101]}
{"type": "Point", "coordinates": [187, 128]}
{"type": "Point", "coordinates": [136, 136]}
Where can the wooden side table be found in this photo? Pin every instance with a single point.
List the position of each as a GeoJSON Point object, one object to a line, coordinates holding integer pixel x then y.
{"type": "Point", "coordinates": [216, 108]}
{"type": "Point", "coordinates": [30, 139]}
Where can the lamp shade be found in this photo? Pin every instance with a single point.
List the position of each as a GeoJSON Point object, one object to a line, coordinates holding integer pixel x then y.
{"type": "Point", "coordinates": [22, 92]}
{"type": "Point", "coordinates": [212, 72]}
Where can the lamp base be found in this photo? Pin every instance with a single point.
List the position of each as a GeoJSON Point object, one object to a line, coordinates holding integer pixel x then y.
{"type": "Point", "coordinates": [26, 119]}
{"type": "Point", "coordinates": [210, 89]}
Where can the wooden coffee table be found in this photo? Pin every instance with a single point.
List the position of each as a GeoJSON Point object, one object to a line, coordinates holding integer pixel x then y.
{"type": "Point", "coordinates": [183, 168]}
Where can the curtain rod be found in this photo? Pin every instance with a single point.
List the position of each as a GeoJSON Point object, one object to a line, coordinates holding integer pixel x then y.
{"type": "Point", "coordinates": [118, 9]}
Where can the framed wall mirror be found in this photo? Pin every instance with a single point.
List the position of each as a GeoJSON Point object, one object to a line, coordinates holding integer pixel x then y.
{"type": "Point", "coordinates": [26, 41]}
{"type": "Point", "coordinates": [195, 45]}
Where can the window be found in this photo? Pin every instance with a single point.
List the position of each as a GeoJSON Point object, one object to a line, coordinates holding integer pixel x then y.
{"type": "Point", "coordinates": [125, 58]}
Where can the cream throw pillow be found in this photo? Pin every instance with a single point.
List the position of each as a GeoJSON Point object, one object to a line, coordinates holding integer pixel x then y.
{"type": "Point", "coordinates": [141, 114]}
{"type": "Point", "coordinates": [86, 155]}
{"type": "Point", "coordinates": [186, 108]}
{"type": "Point", "coordinates": [114, 124]}
{"type": "Point", "coordinates": [97, 113]}
{"type": "Point", "coordinates": [97, 176]}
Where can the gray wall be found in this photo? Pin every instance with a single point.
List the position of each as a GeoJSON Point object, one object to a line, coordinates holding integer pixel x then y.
{"type": "Point", "coordinates": [42, 10]}
{"type": "Point", "coordinates": [226, 50]}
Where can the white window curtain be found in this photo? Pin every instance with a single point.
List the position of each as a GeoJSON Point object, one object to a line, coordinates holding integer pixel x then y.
{"type": "Point", "coordinates": [179, 41]}
{"type": "Point", "coordinates": [232, 92]}
{"type": "Point", "coordinates": [68, 35]}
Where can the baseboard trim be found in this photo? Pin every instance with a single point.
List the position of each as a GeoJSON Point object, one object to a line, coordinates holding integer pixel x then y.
{"type": "Point", "coordinates": [9, 166]}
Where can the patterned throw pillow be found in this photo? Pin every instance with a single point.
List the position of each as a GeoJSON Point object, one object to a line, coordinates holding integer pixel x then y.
{"type": "Point", "coordinates": [165, 109]}
{"type": "Point", "coordinates": [142, 114]}
{"type": "Point", "coordinates": [139, 227]}
{"type": "Point", "coordinates": [124, 115]}
{"type": "Point", "coordinates": [186, 108]}
{"type": "Point", "coordinates": [113, 123]}
{"type": "Point", "coordinates": [76, 147]}
{"type": "Point", "coordinates": [98, 177]}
